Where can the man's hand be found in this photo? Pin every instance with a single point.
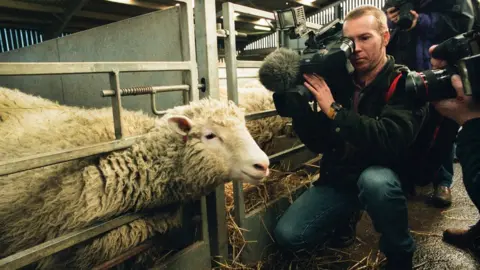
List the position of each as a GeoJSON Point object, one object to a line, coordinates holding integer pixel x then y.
{"type": "Point", "coordinates": [320, 90]}
{"type": "Point", "coordinates": [392, 14]}
{"type": "Point", "coordinates": [458, 109]}
{"type": "Point", "coordinates": [436, 63]}
{"type": "Point", "coordinates": [415, 19]}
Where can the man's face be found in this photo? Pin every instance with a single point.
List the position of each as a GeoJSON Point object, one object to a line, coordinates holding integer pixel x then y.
{"type": "Point", "coordinates": [369, 44]}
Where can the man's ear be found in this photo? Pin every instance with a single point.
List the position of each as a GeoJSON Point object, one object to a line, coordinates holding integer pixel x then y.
{"type": "Point", "coordinates": [179, 124]}
{"type": "Point", "coordinates": [386, 37]}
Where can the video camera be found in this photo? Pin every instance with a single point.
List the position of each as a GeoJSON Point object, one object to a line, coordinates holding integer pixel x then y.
{"type": "Point", "coordinates": [327, 54]}
{"type": "Point", "coordinates": [462, 54]}
{"type": "Point", "coordinates": [405, 18]}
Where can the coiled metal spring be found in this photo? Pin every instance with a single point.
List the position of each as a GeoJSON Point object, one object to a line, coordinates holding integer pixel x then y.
{"type": "Point", "coordinates": [138, 90]}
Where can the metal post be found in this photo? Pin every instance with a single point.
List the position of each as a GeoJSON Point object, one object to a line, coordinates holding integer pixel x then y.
{"type": "Point", "coordinates": [207, 57]}
{"type": "Point", "coordinates": [230, 51]}
{"type": "Point", "coordinates": [207, 51]}
{"type": "Point", "coordinates": [188, 48]}
{"type": "Point", "coordinates": [116, 104]}
{"type": "Point", "coordinates": [339, 12]}
{"type": "Point", "coordinates": [232, 88]}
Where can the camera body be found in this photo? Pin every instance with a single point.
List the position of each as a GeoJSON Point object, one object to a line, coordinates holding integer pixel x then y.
{"type": "Point", "coordinates": [462, 54]}
{"type": "Point", "coordinates": [327, 55]}
{"type": "Point", "coordinates": [405, 18]}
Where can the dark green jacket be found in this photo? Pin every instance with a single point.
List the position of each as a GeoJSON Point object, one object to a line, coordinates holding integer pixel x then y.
{"type": "Point", "coordinates": [379, 134]}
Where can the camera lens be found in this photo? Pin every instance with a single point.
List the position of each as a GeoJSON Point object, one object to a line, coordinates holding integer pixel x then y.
{"type": "Point", "coordinates": [416, 85]}
{"type": "Point", "coordinates": [347, 45]}
{"type": "Point", "coordinates": [430, 85]}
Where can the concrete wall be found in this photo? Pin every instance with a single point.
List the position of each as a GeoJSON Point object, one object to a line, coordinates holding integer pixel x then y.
{"type": "Point", "coordinates": [150, 37]}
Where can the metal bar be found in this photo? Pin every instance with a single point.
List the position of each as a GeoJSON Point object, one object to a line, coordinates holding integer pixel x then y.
{"type": "Point", "coordinates": [218, 231]}
{"type": "Point", "coordinates": [51, 68]}
{"type": "Point", "coordinates": [1, 42]}
{"type": "Point", "coordinates": [244, 64]}
{"type": "Point", "coordinates": [278, 156]}
{"type": "Point", "coordinates": [154, 106]}
{"type": "Point", "coordinates": [124, 256]}
{"type": "Point", "coordinates": [230, 51]}
{"type": "Point", "coordinates": [116, 104]}
{"type": "Point", "coordinates": [53, 246]}
{"type": "Point", "coordinates": [207, 48]}
{"type": "Point", "coordinates": [228, 10]}
{"type": "Point", "coordinates": [188, 49]}
{"type": "Point", "coordinates": [249, 64]}
{"type": "Point", "coordinates": [215, 231]}
{"type": "Point", "coordinates": [260, 115]}
{"type": "Point", "coordinates": [252, 12]}
{"type": "Point", "coordinates": [240, 77]}
{"type": "Point", "coordinates": [41, 160]}
{"type": "Point", "coordinates": [203, 209]}
{"type": "Point", "coordinates": [239, 203]}
{"type": "Point", "coordinates": [143, 90]}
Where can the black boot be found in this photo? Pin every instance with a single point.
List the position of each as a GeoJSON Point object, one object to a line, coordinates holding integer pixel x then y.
{"type": "Point", "coordinates": [464, 238]}
{"type": "Point", "coordinates": [344, 235]}
{"type": "Point", "coordinates": [398, 261]}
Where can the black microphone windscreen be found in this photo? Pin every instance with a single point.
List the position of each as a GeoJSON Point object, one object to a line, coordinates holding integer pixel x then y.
{"type": "Point", "coordinates": [279, 70]}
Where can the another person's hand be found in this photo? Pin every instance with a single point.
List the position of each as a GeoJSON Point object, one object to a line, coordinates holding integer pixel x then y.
{"type": "Point", "coordinates": [320, 90]}
{"type": "Point", "coordinates": [436, 63]}
{"type": "Point", "coordinates": [459, 109]}
{"type": "Point", "coordinates": [415, 19]}
{"type": "Point", "coordinates": [392, 14]}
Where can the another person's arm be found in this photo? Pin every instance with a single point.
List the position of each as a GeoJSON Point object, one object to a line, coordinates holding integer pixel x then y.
{"type": "Point", "coordinates": [440, 25]}
{"type": "Point", "coordinates": [468, 149]}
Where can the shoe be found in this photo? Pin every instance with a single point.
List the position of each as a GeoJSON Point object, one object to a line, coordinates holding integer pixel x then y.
{"type": "Point", "coordinates": [402, 261]}
{"type": "Point", "coordinates": [441, 197]}
{"type": "Point", "coordinates": [464, 238]}
{"type": "Point", "coordinates": [344, 236]}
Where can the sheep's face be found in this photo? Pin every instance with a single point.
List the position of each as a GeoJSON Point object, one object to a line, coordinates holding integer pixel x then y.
{"type": "Point", "coordinates": [230, 147]}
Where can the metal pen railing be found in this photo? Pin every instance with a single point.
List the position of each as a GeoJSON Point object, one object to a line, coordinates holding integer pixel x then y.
{"type": "Point", "coordinates": [113, 69]}
{"type": "Point", "coordinates": [231, 65]}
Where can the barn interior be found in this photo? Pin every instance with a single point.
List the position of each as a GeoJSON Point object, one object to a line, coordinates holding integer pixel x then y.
{"type": "Point", "coordinates": [154, 55]}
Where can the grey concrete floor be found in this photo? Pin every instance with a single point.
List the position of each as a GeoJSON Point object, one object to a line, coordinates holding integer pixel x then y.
{"type": "Point", "coordinates": [427, 225]}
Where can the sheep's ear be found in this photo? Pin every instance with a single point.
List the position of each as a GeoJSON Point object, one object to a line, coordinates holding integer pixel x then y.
{"type": "Point", "coordinates": [179, 124]}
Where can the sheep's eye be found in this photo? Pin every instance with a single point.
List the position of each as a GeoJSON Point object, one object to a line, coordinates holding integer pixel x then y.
{"type": "Point", "coordinates": [210, 136]}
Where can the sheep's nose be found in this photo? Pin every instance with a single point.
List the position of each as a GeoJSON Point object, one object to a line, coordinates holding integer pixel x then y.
{"type": "Point", "coordinates": [261, 167]}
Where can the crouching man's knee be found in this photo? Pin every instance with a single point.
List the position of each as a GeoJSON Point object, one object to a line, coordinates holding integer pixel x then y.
{"type": "Point", "coordinates": [288, 237]}
{"type": "Point", "coordinates": [377, 184]}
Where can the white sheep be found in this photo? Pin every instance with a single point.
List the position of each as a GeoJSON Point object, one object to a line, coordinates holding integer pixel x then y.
{"type": "Point", "coordinates": [185, 155]}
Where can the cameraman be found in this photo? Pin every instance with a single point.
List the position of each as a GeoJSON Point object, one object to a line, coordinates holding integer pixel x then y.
{"type": "Point", "coordinates": [466, 113]}
{"type": "Point", "coordinates": [433, 22]}
{"type": "Point", "coordinates": [363, 140]}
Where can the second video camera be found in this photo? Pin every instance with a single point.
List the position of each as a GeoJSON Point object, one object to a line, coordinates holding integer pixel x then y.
{"type": "Point", "coordinates": [462, 54]}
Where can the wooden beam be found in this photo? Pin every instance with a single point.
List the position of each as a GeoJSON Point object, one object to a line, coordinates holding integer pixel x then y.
{"type": "Point", "coordinates": [72, 8]}
{"type": "Point", "coordinates": [140, 4]}
{"type": "Point", "coordinates": [53, 9]}
{"type": "Point", "coordinates": [12, 18]}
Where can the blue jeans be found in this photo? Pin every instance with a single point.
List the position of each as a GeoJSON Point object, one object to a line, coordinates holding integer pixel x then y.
{"type": "Point", "coordinates": [311, 218]}
{"type": "Point", "coordinates": [444, 176]}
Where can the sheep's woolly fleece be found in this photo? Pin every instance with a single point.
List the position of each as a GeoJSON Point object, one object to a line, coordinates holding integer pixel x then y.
{"type": "Point", "coordinates": [45, 203]}
{"type": "Point", "coordinates": [253, 97]}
